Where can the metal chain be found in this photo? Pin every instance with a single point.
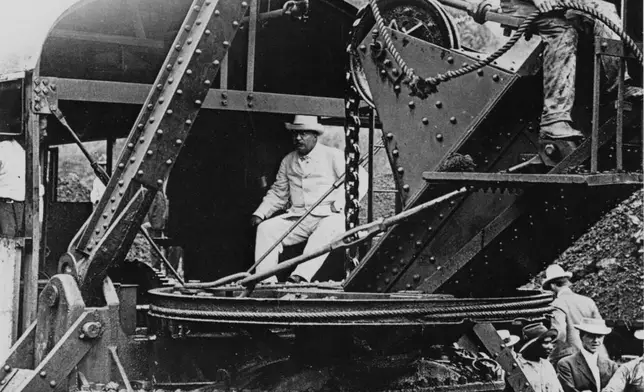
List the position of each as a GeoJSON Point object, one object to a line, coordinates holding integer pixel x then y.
{"type": "Point", "coordinates": [352, 167]}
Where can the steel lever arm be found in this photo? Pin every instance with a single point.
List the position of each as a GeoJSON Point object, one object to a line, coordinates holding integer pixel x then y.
{"type": "Point", "coordinates": [349, 238]}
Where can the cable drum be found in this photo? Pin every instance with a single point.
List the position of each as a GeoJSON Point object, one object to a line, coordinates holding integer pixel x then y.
{"type": "Point", "coordinates": [286, 306]}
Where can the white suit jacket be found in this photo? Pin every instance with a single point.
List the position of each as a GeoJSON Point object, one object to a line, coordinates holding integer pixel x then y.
{"type": "Point", "coordinates": [301, 181]}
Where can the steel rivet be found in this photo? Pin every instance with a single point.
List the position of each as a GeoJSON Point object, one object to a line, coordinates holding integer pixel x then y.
{"type": "Point", "coordinates": [179, 92]}
{"type": "Point", "coordinates": [406, 188]}
{"type": "Point", "coordinates": [6, 368]}
{"type": "Point", "coordinates": [160, 181]}
{"type": "Point", "coordinates": [198, 51]}
{"type": "Point", "coordinates": [439, 137]}
{"type": "Point", "coordinates": [189, 41]}
{"type": "Point", "coordinates": [383, 72]}
{"type": "Point", "coordinates": [186, 28]}
{"type": "Point", "coordinates": [395, 72]}
{"type": "Point", "coordinates": [121, 165]}
{"type": "Point", "coordinates": [198, 102]}
{"type": "Point", "coordinates": [425, 120]}
{"type": "Point", "coordinates": [140, 172]}
{"type": "Point", "coordinates": [394, 271]}
{"type": "Point", "coordinates": [363, 48]}
{"type": "Point", "coordinates": [226, 44]}
{"type": "Point", "coordinates": [105, 216]}
{"type": "Point", "coordinates": [408, 286]}
{"type": "Point", "coordinates": [150, 152]}
{"type": "Point", "coordinates": [390, 136]}
{"type": "Point", "coordinates": [132, 160]}
{"type": "Point", "coordinates": [196, 8]}
{"type": "Point", "coordinates": [217, 13]}
{"type": "Point", "coordinates": [479, 72]}
{"type": "Point", "coordinates": [170, 80]}
{"type": "Point", "coordinates": [207, 32]}
{"type": "Point", "coordinates": [159, 86]}
{"type": "Point", "coordinates": [401, 170]}
{"type": "Point", "coordinates": [178, 142]}
{"type": "Point", "coordinates": [464, 65]}
{"type": "Point", "coordinates": [207, 82]}
{"type": "Point", "coordinates": [168, 162]}
{"type": "Point", "coordinates": [432, 259]}
{"type": "Point", "coordinates": [140, 126]}
{"type": "Point", "coordinates": [177, 47]}
{"type": "Point", "coordinates": [439, 104]}
{"type": "Point", "coordinates": [386, 280]}
{"type": "Point", "coordinates": [52, 384]}
{"type": "Point", "coordinates": [387, 63]}
{"type": "Point", "coordinates": [452, 120]}
{"type": "Point", "coordinates": [141, 139]}
{"type": "Point", "coordinates": [169, 111]}
{"type": "Point", "coordinates": [188, 122]}
{"type": "Point", "coordinates": [168, 67]}
{"type": "Point", "coordinates": [121, 183]}
{"type": "Point", "coordinates": [394, 153]}
{"type": "Point", "coordinates": [130, 145]}
{"type": "Point", "coordinates": [159, 132]}
{"type": "Point", "coordinates": [198, 23]}
{"type": "Point", "coordinates": [161, 100]}
{"type": "Point", "coordinates": [397, 88]}
{"type": "Point", "coordinates": [113, 200]}
{"type": "Point", "coordinates": [411, 104]}
{"type": "Point", "coordinates": [450, 60]}
{"type": "Point", "coordinates": [150, 106]}
{"type": "Point", "coordinates": [244, 4]}
{"type": "Point", "coordinates": [189, 72]}
{"type": "Point", "coordinates": [235, 23]}
{"type": "Point", "coordinates": [43, 374]}
{"type": "Point", "coordinates": [495, 77]}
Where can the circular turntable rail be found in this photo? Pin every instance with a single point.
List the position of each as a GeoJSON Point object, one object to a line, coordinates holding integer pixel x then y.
{"type": "Point", "coordinates": [326, 305]}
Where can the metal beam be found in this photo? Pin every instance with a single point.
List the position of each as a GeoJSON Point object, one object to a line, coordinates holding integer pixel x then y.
{"type": "Point", "coordinates": [107, 38]}
{"type": "Point", "coordinates": [518, 180]}
{"type": "Point", "coordinates": [135, 94]}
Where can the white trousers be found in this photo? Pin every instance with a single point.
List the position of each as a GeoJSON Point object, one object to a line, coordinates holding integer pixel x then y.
{"type": "Point", "coordinates": [318, 230]}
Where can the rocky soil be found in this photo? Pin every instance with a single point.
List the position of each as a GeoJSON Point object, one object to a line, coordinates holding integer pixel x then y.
{"type": "Point", "coordinates": [607, 262]}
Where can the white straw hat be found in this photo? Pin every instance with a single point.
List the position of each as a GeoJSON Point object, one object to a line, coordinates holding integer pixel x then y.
{"type": "Point", "coordinates": [305, 123]}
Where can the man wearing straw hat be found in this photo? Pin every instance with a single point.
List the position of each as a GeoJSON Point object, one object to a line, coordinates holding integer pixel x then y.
{"type": "Point", "coordinates": [303, 177]}
{"type": "Point", "coordinates": [630, 376]}
{"type": "Point", "coordinates": [508, 339]}
{"type": "Point", "coordinates": [587, 370]}
{"type": "Point", "coordinates": [12, 186]}
{"type": "Point", "coordinates": [570, 309]}
{"type": "Point", "coordinates": [533, 358]}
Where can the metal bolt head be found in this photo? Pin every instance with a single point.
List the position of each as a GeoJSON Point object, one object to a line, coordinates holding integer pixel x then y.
{"type": "Point", "coordinates": [400, 169]}
{"type": "Point", "coordinates": [52, 384]}
{"type": "Point", "coordinates": [6, 368]}
{"type": "Point", "coordinates": [43, 374]}
{"type": "Point", "coordinates": [363, 48]}
{"type": "Point", "coordinates": [425, 120]}
{"type": "Point", "coordinates": [452, 120]}
{"type": "Point", "coordinates": [395, 153]}
{"type": "Point", "coordinates": [390, 136]}
{"type": "Point", "coordinates": [496, 77]}
{"type": "Point", "coordinates": [450, 60]}
{"type": "Point", "coordinates": [395, 72]}
{"type": "Point", "coordinates": [406, 187]}
{"type": "Point", "coordinates": [479, 72]}
{"type": "Point", "coordinates": [397, 88]}
{"type": "Point", "coordinates": [411, 104]}
{"type": "Point", "coordinates": [439, 137]}
{"type": "Point", "coordinates": [439, 104]}
{"type": "Point", "coordinates": [91, 329]}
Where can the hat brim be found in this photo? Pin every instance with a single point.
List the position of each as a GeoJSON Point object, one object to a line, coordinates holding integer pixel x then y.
{"type": "Point", "coordinates": [512, 340]}
{"type": "Point", "coordinates": [594, 329]}
{"type": "Point", "coordinates": [300, 127]}
{"type": "Point", "coordinates": [639, 334]}
{"type": "Point", "coordinates": [551, 332]}
{"type": "Point", "coordinates": [550, 279]}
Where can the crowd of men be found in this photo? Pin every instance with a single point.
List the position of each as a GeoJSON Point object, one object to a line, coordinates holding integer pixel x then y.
{"type": "Point", "coordinates": [570, 355]}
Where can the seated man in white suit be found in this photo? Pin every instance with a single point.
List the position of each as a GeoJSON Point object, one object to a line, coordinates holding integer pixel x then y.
{"type": "Point", "coordinates": [303, 177]}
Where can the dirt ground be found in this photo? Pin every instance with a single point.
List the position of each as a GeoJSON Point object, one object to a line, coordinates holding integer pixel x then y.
{"type": "Point", "coordinates": [607, 262]}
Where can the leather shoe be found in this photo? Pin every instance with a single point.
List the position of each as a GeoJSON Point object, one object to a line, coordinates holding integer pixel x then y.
{"type": "Point", "coordinates": [296, 279]}
{"type": "Point", "coordinates": [559, 130]}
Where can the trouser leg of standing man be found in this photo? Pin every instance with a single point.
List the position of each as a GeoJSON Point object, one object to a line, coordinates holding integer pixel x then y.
{"type": "Point", "coordinates": [325, 231]}
{"type": "Point", "coordinates": [270, 230]}
{"type": "Point", "coordinates": [559, 71]}
{"type": "Point", "coordinates": [11, 216]}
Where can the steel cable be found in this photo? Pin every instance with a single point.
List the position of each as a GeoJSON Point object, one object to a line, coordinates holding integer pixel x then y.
{"type": "Point", "coordinates": [461, 312]}
{"type": "Point", "coordinates": [380, 314]}
{"type": "Point", "coordinates": [413, 80]}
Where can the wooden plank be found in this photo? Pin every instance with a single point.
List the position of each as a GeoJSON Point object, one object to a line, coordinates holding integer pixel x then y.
{"type": "Point", "coordinates": [10, 260]}
{"type": "Point", "coordinates": [32, 225]}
